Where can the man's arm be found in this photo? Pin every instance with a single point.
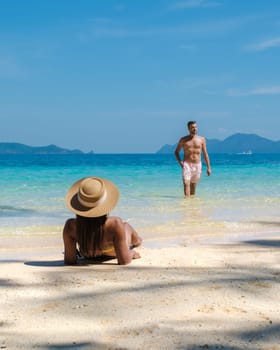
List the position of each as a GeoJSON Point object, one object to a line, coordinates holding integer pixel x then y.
{"type": "Point", "coordinates": [206, 157]}
{"type": "Point", "coordinates": [177, 153]}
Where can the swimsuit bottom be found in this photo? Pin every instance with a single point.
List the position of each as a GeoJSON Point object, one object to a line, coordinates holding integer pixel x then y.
{"type": "Point", "coordinates": [191, 172]}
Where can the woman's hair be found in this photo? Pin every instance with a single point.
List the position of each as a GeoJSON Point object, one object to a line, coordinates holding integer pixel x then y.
{"type": "Point", "coordinates": [89, 234]}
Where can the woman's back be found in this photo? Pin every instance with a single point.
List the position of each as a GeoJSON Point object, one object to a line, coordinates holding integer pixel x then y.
{"type": "Point", "coordinates": [115, 239]}
{"type": "Point", "coordinates": [91, 199]}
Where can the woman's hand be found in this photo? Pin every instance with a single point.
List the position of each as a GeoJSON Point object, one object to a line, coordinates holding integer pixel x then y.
{"type": "Point", "coordinates": [136, 255]}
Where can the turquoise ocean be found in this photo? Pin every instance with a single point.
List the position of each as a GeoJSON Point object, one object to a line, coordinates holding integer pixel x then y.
{"type": "Point", "coordinates": [240, 200]}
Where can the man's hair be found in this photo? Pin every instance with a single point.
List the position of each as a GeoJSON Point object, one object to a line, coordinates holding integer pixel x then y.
{"type": "Point", "coordinates": [191, 122]}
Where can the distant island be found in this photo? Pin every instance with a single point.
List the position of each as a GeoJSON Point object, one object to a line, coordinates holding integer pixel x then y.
{"type": "Point", "coordinates": [237, 143]}
{"type": "Point", "coordinates": [19, 148]}
{"type": "Point", "coordinates": [234, 144]}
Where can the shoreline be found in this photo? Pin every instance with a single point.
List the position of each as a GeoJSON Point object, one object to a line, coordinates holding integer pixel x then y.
{"type": "Point", "coordinates": [196, 296]}
{"type": "Point", "coordinates": [215, 233]}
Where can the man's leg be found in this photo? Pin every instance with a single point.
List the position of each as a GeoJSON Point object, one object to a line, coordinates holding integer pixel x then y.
{"type": "Point", "coordinates": [192, 188]}
{"type": "Point", "coordinates": [187, 188]}
{"type": "Point", "coordinates": [186, 175]}
{"type": "Point", "coordinates": [195, 178]}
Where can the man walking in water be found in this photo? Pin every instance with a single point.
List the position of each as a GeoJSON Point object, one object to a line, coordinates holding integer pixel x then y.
{"type": "Point", "coordinates": [192, 146]}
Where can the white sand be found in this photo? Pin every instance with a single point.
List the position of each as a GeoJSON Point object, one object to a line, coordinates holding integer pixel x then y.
{"type": "Point", "coordinates": [193, 297]}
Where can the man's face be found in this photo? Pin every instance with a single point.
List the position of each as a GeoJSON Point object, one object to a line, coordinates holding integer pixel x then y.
{"type": "Point", "coordinates": [193, 129]}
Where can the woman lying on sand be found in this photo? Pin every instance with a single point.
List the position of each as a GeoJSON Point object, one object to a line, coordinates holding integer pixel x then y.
{"type": "Point", "coordinates": [96, 233]}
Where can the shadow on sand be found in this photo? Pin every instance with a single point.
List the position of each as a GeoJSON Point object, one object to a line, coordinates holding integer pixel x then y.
{"type": "Point", "coordinates": [265, 242]}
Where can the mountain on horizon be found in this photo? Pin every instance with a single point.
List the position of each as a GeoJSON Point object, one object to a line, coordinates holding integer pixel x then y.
{"type": "Point", "coordinates": [19, 148]}
{"type": "Point", "coordinates": [237, 143]}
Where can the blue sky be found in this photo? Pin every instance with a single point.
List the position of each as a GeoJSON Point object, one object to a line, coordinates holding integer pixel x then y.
{"type": "Point", "coordinates": [125, 76]}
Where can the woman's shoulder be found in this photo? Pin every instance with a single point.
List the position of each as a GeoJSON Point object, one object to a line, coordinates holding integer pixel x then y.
{"type": "Point", "coordinates": [114, 220]}
{"type": "Point", "coordinates": [70, 224]}
{"type": "Point", "coordinates": [114, 223]}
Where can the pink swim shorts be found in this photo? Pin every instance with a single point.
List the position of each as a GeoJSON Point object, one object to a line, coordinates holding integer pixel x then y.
{"type": "Point", "coordinates": [191, 172]}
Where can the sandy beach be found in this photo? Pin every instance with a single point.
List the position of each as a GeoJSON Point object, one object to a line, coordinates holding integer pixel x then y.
{"type": "Point", "coordinates": [197, 296]}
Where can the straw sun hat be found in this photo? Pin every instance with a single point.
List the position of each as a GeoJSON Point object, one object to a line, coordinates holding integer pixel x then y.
{"type": "Point", "coordinates": [92, 197]}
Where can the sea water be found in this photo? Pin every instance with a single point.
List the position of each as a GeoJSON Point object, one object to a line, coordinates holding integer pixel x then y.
{"type": "Point", "coordinates": [239, 200]}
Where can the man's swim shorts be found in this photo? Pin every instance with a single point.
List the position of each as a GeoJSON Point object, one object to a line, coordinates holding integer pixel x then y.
{"type": "Point", "coordinates": [191, 172]}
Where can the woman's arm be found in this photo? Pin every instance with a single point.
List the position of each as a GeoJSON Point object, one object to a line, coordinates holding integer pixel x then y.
{"type": "Point", "coordinates": [69, 239]}
{"type": "Point", "coordinates": [123, 253]}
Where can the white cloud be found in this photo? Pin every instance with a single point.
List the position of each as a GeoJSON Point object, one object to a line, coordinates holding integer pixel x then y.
{"type": "Point", "coordinates": [103, 29]}
{"type": "Point", "coordinates": [265, 45]}
{"type": "Point", "coordinates": [271, 90]}
{"type": "Point", "coordinates": [193, 4]}
{"type": "Point", "coordinates": [186, 47]}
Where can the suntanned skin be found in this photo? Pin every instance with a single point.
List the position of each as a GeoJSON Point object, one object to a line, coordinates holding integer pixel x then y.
{"type": "Point", "coordinates": [192, 145]}
{"type": "Point", "coordinates": [117, 234]}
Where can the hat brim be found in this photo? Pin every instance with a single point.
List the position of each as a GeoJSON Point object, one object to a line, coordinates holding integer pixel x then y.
{"type": "Point", "coordinates": [112, 197]}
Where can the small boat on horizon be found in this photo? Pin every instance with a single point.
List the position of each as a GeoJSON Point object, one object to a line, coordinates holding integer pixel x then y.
{"type": "Point", "coordinates": [246, 152]}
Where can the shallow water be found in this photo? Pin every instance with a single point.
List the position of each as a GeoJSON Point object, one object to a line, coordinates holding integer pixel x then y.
{"type": "Point", "coordinates": [241, 197]}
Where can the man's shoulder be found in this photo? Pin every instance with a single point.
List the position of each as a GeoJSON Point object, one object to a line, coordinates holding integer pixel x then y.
{"type": "Point", "coordinates": [201, 138]}
{"type": "Point", "coordinates": [185, 138]}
